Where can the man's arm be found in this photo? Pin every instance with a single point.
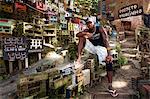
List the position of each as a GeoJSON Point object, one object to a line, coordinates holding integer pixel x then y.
{"type": "Point", "coordinates": [81, 34]}
{"type": "Point", "coordinates": [84, 34]}
{"type": "Point", "coordinates": [105, 40]}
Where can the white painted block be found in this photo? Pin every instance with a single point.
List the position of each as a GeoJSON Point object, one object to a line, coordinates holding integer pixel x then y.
{"type": "Point", "coordinates": [86, 76]}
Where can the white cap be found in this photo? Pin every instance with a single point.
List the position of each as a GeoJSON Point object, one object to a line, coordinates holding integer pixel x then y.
{"type": "Point", "coordinates": [90, 20]}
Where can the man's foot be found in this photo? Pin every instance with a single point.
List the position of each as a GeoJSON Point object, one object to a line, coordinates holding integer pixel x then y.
{"type": "Point", "coordinates": [110, 90]}
{"type": "Point", "coordinates": [77, 64]}
{"type": "Point", "coordinates": [78, 61]}
{"type": "Point", "coordinates": [113, 92]}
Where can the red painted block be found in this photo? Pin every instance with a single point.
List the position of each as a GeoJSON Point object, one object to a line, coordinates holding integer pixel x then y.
{"type": "Point", "coordinates": [145, 91]}
{"type": "Point", "coordinates": [40, 6]}
{"type": "Point", "coordinates": [20, 7]}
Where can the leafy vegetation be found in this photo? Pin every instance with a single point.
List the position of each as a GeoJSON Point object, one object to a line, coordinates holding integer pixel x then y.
{"type": "Point", "coordinates": [118, 48]}
{"type": "Point", "coordinates": [72, 51]}
{"type": "Point", "coordinates": [122, 60]}
{"type": "Point", "coordinates": [88, 7]}
{"type": "Point", "coordinates": [18, 30]}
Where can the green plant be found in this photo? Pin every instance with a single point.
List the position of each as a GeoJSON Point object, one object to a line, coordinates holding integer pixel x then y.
{"type": "Point", "coordinates": [18, 30]}
{"type": "Point", "coordinates": [118, 48]}
{"type": "Point", "coordinates": [5, 77]}
{"type": "Point", "coordinates": [122, 60]}
{"type": "Point", "coordinates": [1, 78]}
{"type": "Point", "coordinates": [72, 51]}
{"type": "Point", "coordinates": [2, 64]}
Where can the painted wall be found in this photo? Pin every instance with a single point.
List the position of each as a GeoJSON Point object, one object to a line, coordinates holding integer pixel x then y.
{"type": "Point", "coordinates": [136, 21]}
{"type": "Point", "coordinates": [123, 3]}
{"type": "Point", "coordinates": [110, 5]}
{"type": "Point", "coordinates": [115, 5]}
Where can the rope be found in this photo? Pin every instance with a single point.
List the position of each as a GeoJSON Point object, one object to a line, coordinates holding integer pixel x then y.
{"type": "Point", "coordinates": [34, 8]}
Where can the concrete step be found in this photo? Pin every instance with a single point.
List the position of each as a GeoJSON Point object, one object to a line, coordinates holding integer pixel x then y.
{"type": "Point", "coordinates": [130, 50]}
{"type": "Point", "coordinates": [106, 95]}
{"type": "Point", "coordinates": [128, 45]}
{"type": "Point", "coordinates": [136, 63]}
{"type": "Point", "coordinates": [130, 33]}
{"type": "Point", "coordinates": [130, 38]}
{"type": "Point", "coordinates": [127, 55]}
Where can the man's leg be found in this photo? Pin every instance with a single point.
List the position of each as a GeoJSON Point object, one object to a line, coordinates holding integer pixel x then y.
{"type": "Point", "coordinates": [109, 69]}
{"type": "Point", "coordinates": [109, 76]}
{"type": "Point", "coordinates": [102, 54]}
{"type": "Point", "coordinates": [81, 45]}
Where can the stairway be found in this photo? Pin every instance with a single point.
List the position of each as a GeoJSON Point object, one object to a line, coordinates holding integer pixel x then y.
{"type": "Point", "coordinates": [121, 82]}
{"type": "Point", "coordinates": [128, 45]}
{"type": "Point", "coordinates": [108, 96]}
{"type": "Point", "coordinates": [121, 76]}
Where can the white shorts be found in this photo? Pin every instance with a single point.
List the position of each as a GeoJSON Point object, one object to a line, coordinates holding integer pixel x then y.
{"type": "Point", "coordinates": [98, 50]}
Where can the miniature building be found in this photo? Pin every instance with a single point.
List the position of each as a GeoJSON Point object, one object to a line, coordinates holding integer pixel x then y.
{"type": "Point", "coordinates": [50, 34]}
{"type": "Point", "coordinates": [33, 85]}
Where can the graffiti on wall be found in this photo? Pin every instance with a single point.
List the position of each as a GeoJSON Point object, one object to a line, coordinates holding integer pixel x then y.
{"type": "Point", "coordinates": [36, 45]}
{"type": "Point", "coordinates": [131, 10]}
{"type": "Point", "coordinates": [14, 48]}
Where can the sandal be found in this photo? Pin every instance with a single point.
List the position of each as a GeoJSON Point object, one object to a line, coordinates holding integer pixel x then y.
{"type": "Point", "coordinates": [113, 92]}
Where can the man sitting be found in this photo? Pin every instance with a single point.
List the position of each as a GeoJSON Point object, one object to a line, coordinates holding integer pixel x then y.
{"type": "Point", "coordinates": [95, 40]}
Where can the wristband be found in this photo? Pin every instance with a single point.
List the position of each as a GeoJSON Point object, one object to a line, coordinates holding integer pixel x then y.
{"type": "Point", "coordinates": [109, 49]}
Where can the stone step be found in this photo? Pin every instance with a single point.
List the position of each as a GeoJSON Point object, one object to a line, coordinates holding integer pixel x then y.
{"type": "Point", "coordinates": [128, 45]}
{"type": "Point", "coordinates": [129, 33]}
{"type": "Point", "coordinates": [129, 50]}
{"type": "Point", "coordinates": [127, 55]}
{"type": "Point", "coordinates": [106, 95]}
{"type": "Point", "coordinates": [130, 38]}
{"type": "Point", "coordinates": [136, 63]}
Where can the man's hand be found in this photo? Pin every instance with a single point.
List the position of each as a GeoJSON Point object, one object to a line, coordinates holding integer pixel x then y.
{"type": "Point", "coordinates": [88, 35]}
{"type": "Point", "coordinates": [109, 58]}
